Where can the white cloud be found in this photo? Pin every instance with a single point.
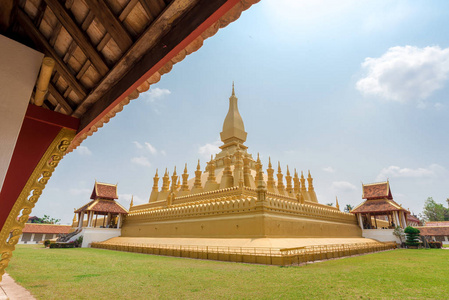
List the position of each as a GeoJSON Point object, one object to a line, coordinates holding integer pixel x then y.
{"type": "Point", "coordinates": [209, 149]}
{"type": "Point", "coordinates": [83, 150]}
{"type": "Point", "coordinates": [439, 105]}
{"type": "Point", "coordinates": [141, 160]}
{"type": "Point", "coordinates": [151, 148]}
{"type": "Point", "coordinates": [163, 152]}
{"type": "Point", "coordinates": [405, 74]}
{"type": "Point", "coordinates": [79, 192]}
{"type": "Point", "coordinates": [138, 145]}
{"type": "Point", "coordinates": [157, 93]}
{"type": "Point", "coordinates": [329, 169]}
{"type": "Point", "coordinates": [343, 186]}
{"type": "Point", "coordinates": [433, 170]}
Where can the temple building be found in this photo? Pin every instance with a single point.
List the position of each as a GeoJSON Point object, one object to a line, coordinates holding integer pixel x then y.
{"type": "Point", "coordinates": [379, 214]}
{"type": "Point", "coordinates": [235, 202]}
{"type": "Point", "coordinates": [99, 219]}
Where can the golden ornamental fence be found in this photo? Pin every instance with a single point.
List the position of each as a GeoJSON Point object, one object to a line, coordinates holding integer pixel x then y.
{"type": "Point", "coordinates": [256, 255]}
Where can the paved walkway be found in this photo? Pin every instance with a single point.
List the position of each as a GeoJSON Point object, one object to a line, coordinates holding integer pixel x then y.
{"type": "Point", "coordinates": [11, 290]}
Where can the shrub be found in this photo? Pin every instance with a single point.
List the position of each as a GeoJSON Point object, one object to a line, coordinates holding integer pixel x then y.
{"type": "Point", "coordinates": [412, 236]}
{"type": "Point", "coordinates": [435, 244]}
{"type": "Point", "coordinates": [79, 242]}
{"type": "Point", "coordinates": [46, 243]}
{"type": "Point", "coordinates": [62, 245]}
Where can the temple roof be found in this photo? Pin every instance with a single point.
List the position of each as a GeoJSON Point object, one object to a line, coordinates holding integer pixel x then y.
{"type": "Point", "coordinates": [377, 191]}
{"type": "Point", "coordinates": [46, 228]}
{"type": "Point", "coordinates": [437, 223]}
{"type": "Point", "coordinates": [434, 230]}
{"type": "Point", "coordinates": [103, 206]}
{"type": "Point", "coordinates": [104, 191]}
{"type": "Point", "coordinates": [376, 206]}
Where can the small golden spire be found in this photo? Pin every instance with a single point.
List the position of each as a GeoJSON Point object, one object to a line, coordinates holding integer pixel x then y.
{"type": "Point", "coordinates": [296, 183]}
{"type": "Point", "coordinates": [198, 167]}
{"type": "Point", "coordinates": [270, 179]}
{"type": "Point", "coordinates": [185, 178]}
{"type": "Point", "coordinates": [74, 218]}
{"type": "Point", "coordinates": [336, 203]}
{"type": "Point", "coordinates": [233, 93]}
{"type": "Point", "coordinates": [174, 172]}
{"type": "Point", "coordinates": [132, 201]}
{"type": "Point", "coordinates": [288, 179]}
{"type": "Point", "coordinates": [280, 185]}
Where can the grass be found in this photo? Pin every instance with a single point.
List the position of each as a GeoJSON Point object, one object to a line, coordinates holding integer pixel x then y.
{"type": "Point", "coordinates": [104, 274]}
{"type": "Point", "coordinates": [446, 246]}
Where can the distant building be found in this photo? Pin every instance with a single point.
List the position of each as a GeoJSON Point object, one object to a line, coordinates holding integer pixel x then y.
{"type": "Point", "coordinates": [435, 231]}
{"type": "Point", "coordinates": [34, 233]}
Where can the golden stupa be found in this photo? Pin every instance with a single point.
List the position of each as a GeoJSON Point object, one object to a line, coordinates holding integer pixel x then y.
{"type": "Point", "coordinates": [234, 203]}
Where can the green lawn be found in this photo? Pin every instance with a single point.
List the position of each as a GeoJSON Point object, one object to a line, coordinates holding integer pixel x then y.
{"type": "Point", "coordinates": [105, 274]}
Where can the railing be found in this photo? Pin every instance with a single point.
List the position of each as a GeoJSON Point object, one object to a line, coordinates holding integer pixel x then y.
{"type": "Point", "coordinates": [260, 255]}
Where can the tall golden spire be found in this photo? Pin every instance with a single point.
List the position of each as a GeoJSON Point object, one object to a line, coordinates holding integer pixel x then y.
{"type": "Point", "coordinates": [233, 128]}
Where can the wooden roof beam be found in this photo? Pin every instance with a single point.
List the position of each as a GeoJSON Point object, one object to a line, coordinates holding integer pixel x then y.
{"type": "Point", "coordinates": [113, 26]}
{"type": "Point", "coordinates": [78, 35]}
{"type": "Point", "coordinates": [184, 26]}
{"type": "Point", "coordinates": [40, 40]}
{"type": "Point", "coordinates": [55, 93]}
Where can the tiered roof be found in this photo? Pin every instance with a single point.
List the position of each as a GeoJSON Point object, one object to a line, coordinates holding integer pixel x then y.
{"type": "Point", "coordinates": [377, 191]}
{"type": "Point", "coordinates": [104, 191]}
{"type": "Point", "coordinates": [378, 199]}
{"type": "Point", "coordinates": [103, 195]}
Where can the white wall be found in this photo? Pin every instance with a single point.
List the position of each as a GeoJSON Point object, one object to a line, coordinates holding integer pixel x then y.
{"type": "Point", "coordinates": [18, 73]}
{"type": "Point", "coordinates": [382, 235]}
{"type": "Point", "coordinates": [98, 235]}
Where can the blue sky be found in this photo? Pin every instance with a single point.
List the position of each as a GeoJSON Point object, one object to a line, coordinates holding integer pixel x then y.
{"type": "Point", "coordinates": [355, 91]}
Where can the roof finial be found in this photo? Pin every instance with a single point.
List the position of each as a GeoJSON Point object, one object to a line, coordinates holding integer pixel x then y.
{"type": "Point", "coordinates": [233, 93]}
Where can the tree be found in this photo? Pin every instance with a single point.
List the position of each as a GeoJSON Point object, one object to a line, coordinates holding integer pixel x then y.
{"type": "Point", "coordinates": [412, 235]}
{"type": "Point", "coordinates": [348, 208]}
{"type": "Point", "coordinates": [47, 220]}
{"type": "Point", "coordinates": [330, 204]}
{"type": "Point", "coordinates": [433, 211]}
{"type": "Point", "coordinates": [399, 232]}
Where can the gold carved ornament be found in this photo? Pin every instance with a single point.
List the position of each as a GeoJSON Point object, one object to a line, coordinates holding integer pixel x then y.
{"type": "Point", "coordinates": [12, 229]}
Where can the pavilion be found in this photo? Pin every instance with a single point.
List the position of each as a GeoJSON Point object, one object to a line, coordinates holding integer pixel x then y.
{"type": "Point", "coordinates": [103, 204]}
{"type": "Point", "coordinates": [379, 202]}
{"type": "Point", "coordinates": [99, 55]}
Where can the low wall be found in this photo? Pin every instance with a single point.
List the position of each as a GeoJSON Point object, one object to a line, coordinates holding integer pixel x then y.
{"type": "Point", "coordinates": [91, 235]}
{"type": "Point", "coordinates": [267, 256]}
{"type": "Point", "coordinates": [381, 235]}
